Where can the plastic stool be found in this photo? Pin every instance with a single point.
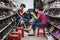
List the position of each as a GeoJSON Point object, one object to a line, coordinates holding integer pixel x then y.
{"type": "Point", "coordinates": [13, 37]}
{"type": "Point", "coordinates": [41, 31]}
{"type": "Point", "coordinates": [21, 30]}
{"type": "Point", "coordinates": [16, 33]}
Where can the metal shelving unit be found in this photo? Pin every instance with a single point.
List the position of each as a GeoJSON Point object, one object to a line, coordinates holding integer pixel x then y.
{"type": "Point", "coordinates": [53, 16]}
{"type": "Point", "coordinates": [6, 17]}
{"type": "Point", "coordinates": [8, 33]}
{"type": "Point", "coordinates": [6, 26]}
{"type": "Point", "coordinates": [5, 7]}
{"type": "Point", "coordinates": [7, 29]}
{"type": "Point", "coordinates": [54, 35]}
{"type": "Point", "coordinates": [53, 25]}
{"type": "Point", "coordinates": [54, 5]}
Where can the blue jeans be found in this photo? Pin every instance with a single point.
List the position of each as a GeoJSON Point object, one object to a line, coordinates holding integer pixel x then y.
{"type": "Point", "coordinates": [37, 23]}
{"type": "Point", "coordinates": [25, 18]}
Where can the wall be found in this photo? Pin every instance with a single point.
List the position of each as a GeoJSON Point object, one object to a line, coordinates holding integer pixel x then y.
{"type": "Point", "coordinates": [28, 3]}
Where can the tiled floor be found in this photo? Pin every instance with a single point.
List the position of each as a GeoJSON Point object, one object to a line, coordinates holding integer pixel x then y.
{"type": "Point", "coordinates": [32, 37]}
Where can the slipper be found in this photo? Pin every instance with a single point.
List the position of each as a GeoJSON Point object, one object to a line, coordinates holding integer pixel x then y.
{"type": "Point", "coordinates": [26, 31]}
{"type": "Point", "coordinates": [31, 35]}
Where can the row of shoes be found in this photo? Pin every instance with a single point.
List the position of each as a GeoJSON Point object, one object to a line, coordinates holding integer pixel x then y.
{"type": "Point", "coordinates": [6, 13]}
{"type": "Point", "coordinates": [3, 13]}
{"type": "Point", "coordinates": [55, 22]}
{"type": "Point", "coordinates": [57, 33]}
{"type": "Point", "coordinates": [13, 24]}
{"type": "Point", "coordinates": [7, 30]}
{"type": "Point", "coordinates": [7, 4]}
{"type": "Point", "coordinates": [5, 22]}
{"type": "Point", "coordinates": [54, 12]}
{"type": "Point", "coordinates": [55, 4]}
{"type": "Point", "coordinates": [52, 28]}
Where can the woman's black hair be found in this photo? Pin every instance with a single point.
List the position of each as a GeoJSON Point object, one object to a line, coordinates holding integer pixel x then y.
{"type": "Point", "coordinates": [38, 7]}
{"type": "Point", "coordinates": [23, 5]}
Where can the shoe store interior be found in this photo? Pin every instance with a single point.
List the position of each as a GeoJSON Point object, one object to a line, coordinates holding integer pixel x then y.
{"type": "Point", "coordinates": [29, 20]}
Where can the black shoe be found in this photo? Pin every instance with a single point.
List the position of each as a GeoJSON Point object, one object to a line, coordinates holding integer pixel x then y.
{"type": "Point", "coordinates": [26, 31]}
{"type": "Point", "coordinates": [31, 35]}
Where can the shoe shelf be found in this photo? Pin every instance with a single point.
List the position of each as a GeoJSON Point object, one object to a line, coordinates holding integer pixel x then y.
{"type": "Point", "coordinates": [49, 1]}
{"type": "Point", "coordinates": [53, 17]}
{"type": "Point", "coordinates": [5, 7]}
{"type": "Point", "coordinates": [6, 17]}
{"type": "Point", "coordinates": [8, 29]}
{"type": "Point", "coordinates": [55, 26]}
{"type": "Point", "coordinates": [53, 32]}
{"type": "Point", "coordinates": [8, 20]}
{"type": "Point", "coordinates": [52, 23]}
{"type": "Point", "coordinates": [8, 33]}
{"type": "Point", "coordinates": [54, 35]}
{"type": "Point", "coordinates": [55, 5]}
{"type": "Point", "coordinates": [7, 26]}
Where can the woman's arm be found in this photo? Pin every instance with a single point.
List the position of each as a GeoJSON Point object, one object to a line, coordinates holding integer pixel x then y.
{"type": "Point", "coordinates": [21, 13]}
{"type": "Point", "coordinates": [36, 17]}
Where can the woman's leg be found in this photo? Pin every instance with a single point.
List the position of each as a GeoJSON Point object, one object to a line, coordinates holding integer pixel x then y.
{"type": "Point", "coordinates": [34, 26]}
{"type": "Point", "coordinates": [37, 24]}
{"type": "Point", "coordinates": [40, 24]}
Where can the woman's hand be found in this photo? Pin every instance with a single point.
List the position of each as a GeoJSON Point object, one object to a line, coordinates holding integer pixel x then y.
{"type": "Point", "coordinates": [32, 13]}
{"type": "Point", "coordinates": [36, 17]}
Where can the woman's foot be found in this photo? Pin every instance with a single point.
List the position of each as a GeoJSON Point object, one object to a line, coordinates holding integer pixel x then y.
{"type": "Point", "coordinates": [27, 30]}
{"type": "Point", "coordinates": [32, 34]}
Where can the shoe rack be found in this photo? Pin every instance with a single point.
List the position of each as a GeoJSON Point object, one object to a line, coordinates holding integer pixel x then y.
{"type": "Point", "coordinates": [52, 10]}
{"type": "Point", "coordinates": [8, 20]}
